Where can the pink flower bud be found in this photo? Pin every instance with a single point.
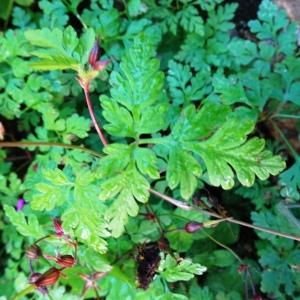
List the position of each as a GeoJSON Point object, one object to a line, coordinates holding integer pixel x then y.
{"type": "Point", "coordinates": [48, 278]}
{"type": "Point", "coordinates": [65, 261]}
{"type": "Point", "coordinates": [94, 54]}
{"type": "Point", "coordinates": [100, 65]}
{"type": "Point", "coordinates": [34, 277]}
{"type": "Point", "coordinates": [33, 252]}
{"type": "Point", "coordinates": [257, 297]}
{"type": "Point", "coordinates": [192, 227]}
{"type": "Point", "coordinates": [58, 228]}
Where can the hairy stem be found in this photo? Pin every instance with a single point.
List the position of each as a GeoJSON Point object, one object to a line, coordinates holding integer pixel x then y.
{"type": "Point", "coordinates": [48, 144]}
{"type": "Point", "coordinates": [286, 116]}
{"type": "Point", "coordinates": [86, 89]}
{"type": "Point", "coordinates": [171, 200]}
{"type": "Point", "coordinates": [186, 206]}
{"type": "Point", "coordinates": [24, 292]}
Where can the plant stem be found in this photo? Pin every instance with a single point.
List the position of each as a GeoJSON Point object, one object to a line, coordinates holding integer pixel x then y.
{"type": "Point", "coordinates": [171, 200]}
{"type": "Point", "coordinates": [48, 144]}
{"type": "Point", "coordinates": [188, 207]}
{"type": "Point", "coordinates": [24, 292]}
{"type": "Point", "coordinates": [159, 140]}
{"type": "Point", "coordinates": [224, 246]}
{"type": "Point", "coordinates": [287, 116]}
{"type": "Point", "coordinates": [290, 147]}
{"type": "Point", "coordinates": [86, 89]}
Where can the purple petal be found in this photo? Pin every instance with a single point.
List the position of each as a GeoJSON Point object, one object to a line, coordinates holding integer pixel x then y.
{"type": "Point", "coordinates": [20, 204]}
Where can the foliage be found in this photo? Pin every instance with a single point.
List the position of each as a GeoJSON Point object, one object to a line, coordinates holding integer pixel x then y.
{"type": "Point", "coordinates": [190, 108]}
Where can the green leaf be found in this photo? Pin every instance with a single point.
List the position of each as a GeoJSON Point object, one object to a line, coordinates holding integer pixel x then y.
{"type": "Point", "coordinates": [276, 221]}
{"type": "Point", "coordinates": [84, 219]}
{"type": "Point", "coordinates": [24, 2]}
{"type": "Point", "coordinates": [156, 112]}
{"type": "Point", "coordinates": [55, 14]}
{"type": "Point", "coordinates": [182, 168]}
{"type": "Point", "coordinates": [106, 22]}
{"type": "Point", "coordinates": [180, 269]}
{"type": "Point", "coordinates": [278, 275]}
{"type": "Point", "coordinates": [77, 125]}
{"type": "Point", "coordinates": [228, 150]}
{"type": "Point", "coordinates": [119, 118]}
{"type": "Point", "coordinates": [273, 24]}
{"type": "Point", "coordinates": [136, 7]}
{"type": "Point", "coordinates": [5, 9]}
{"type": "Point", "coordinates": [136, 88]}
{"type": "Point", "coordinates": [291, 179]}
{"type": "Point", "coordinates": [123, 183]}
{"type": "Point", "coordinates": [52, 190]}
{"type": "Point", "coordinates": [219, 258]}
{"type": "Point", "coordinates": [146, 162]}
{"type": "Point", "coordinates": [184, 87]}
{"type": "Point", "coordinates": [29, 227]}
{"type": "Point", "coordinates": [190, 20]}
{"type": "Point", "coordinates": [59, 49]}
{"type": "Point", "coordinates": [230, 89]}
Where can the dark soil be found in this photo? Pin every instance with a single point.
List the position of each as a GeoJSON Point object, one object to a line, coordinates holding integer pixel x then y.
{"type": "Point", "coordinates": [246, 11]}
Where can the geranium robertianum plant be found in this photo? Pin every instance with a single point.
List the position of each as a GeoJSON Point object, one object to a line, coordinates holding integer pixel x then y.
{"type": "Point", "coordinates": [174, 97]}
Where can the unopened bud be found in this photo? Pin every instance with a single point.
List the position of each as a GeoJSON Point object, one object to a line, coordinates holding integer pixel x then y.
{"type": "Point", "coordinates": [100, 65]}
{"type": "Point", "coordinates": [34, 277]}
{"type": "Point", "coordinates": [163, 244]}
{"type": "Point", "coordinates": [58, 228]}
{"type": "Point", "coordinates": [48, 278]}
{"type": "Point", "coordinates": [192, 227]}
{"type": "Point", "coordinates": [94, 54]}
{"type": "Point", "coordinates": [20, 204]}
{"type": "Point", "coordinates": [33, 252]}
{"type": "Point", "coordinates": [242, 268]}
{"type": "Point", "coordinates": [65, 261]}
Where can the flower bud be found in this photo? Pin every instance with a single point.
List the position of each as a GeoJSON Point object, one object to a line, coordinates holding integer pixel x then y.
{"type": "Point", "coordinates": [20, 204]}
{"type": "Point", "coordinates": [192, 227]}
{"type": "Point", "coordinates": [100, 65]}
{"type": "Point", "coordinates": [94, 54]}
{"type": "Point", "coordinates": [33, 252]}
{"type": "Point", "coordinates": [48, 278]}
{"type": "Point", "coordinates": [34, 277]}
{"type": "Point", "coordinates": [242, 268]}
{"type": "Point", "coordinates": [257, 297]}
{"type": "Point", "coordinates": [58, 228]}
{"type": "Point", "coordinates": [163, 244]}
{"type": "Point", "coordinates": [65, 261]}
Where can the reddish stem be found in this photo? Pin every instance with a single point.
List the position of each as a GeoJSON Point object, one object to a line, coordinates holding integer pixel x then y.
{"type": "Point", "coordinates": [86, 89]}
{"type": "Point", "coordinates": [188, 207]}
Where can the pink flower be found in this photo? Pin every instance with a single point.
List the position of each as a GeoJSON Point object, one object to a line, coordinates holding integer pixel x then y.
{"type": "Point", "coordinates": [20, 204]}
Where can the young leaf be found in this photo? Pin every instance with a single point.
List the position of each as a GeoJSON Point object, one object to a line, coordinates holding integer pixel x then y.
{"type": "Point", "coordinates": [52, 190]}
{"type": "Point", "coordinates": [122, 181]}
{"type": "Point", "coordinates": [172, 269]}
{"type": "Point", "coordinates": [29, 227]}
{"type": "Point", "coordinates": [135, 90]}
{"type": "Point", "coordinates": [60, 50]}
{"type": "Point", "coordinates": [184, 87]}
{"type": "Point", "coordinates": [84, 219]}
